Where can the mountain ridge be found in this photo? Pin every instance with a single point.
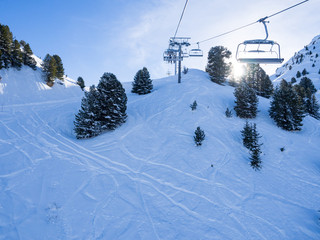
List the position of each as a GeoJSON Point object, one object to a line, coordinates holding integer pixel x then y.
{"type": "Point", "coordinates": [307, 58]}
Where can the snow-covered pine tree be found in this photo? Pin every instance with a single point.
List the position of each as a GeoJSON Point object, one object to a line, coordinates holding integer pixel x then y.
{"type": "Point", "coordinates": [246, 101]}
{"type": "Point", "coordinates": [16, 55]}
{"type": "Point", "coordinates": [142, 83]}
{"type": "Point", "coordinates": [27, 53]}
{"type": "Point", "coordinates": [60, 69]}
{"type": "Point", "coordinates": [86, 123]}
{"type": "Point", "coordinates": [217, 68]}
{"type": "Point", "coordinates": [199, 136]}
{"type": "Point", "coordinates": [80, 82]}
{"type": "Point", "coordinates": [112, 102]}
{"type": "Point", "coordinates": [286, 107]}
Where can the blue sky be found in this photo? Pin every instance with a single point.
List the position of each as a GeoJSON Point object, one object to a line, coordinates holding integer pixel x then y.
{"type": "Point", "coordinates": [122, 36]}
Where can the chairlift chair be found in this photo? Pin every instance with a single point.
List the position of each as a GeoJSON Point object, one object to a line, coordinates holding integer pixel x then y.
{"type": "Point", "coordinates": [259, 50]}
{"type": "Point", "coordinates": [196, 52]}
{"type": "Point", "coordinates": [170, 55]}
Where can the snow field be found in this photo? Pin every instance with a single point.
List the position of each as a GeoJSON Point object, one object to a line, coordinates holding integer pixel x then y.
{"type": "Point", "coordinates": [147, 179]}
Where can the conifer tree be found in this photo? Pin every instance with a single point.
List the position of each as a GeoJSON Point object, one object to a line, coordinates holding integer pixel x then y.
{"type": "Point", "coordinates": [312, 107]}
{"type": "Point", "coordinates": [286, 107]}
{"type": "Point", "coordinates": [59, 66]}
{"type": "Point", "coordinates": [228, 113]}
{"type": "Point", "coordinates": [255, 149]}
{"type": "Point", "coordinates": [103, 108]}
{"type": "Point", "coordinates": [23, 43]}
{"type": "Point", "coordinates": [112, 102]}
{"type": "Point", "coordinates": [217, 68]}
{"type": "Point", "coordinates": [6, 41]}
{"type": "Point", "coordinates": [246, 134]}
{"type": "Point", "coordinates": [80, 82]}
{"type": "Point", "coordinates": [27, 53]}
{"type": "Point", "coordinates": [306, 90]}
{"type": "Point", "coordinates": [304, 72]}
{"type": "Point", "coordinates": [250, 139]}
{"type": "Point", "coordinates": [257, 79]}
{"type": "Point", "coordinates": [16, 55]}
{"type": "Point", "coordinates": [142, 83]}
{"type": "Point", "coordinates": [194, 105]}
{"type": "Point", "coordinates": [1, 62]}
{"type": "Point", "coordinates": [49, 68]}
{"type": "Point", "coordinates": [199, 136]}
{"type": "Point", "coordinates": [307, 84]}
{"type": "Point", "coordinates": [86, 123]}
{"type": "Point", "coordinates": [185, 70]}
{"type": "Point", "coordinates": [298, 75]}
{"type": "Point", "coordinates": [246, 101]}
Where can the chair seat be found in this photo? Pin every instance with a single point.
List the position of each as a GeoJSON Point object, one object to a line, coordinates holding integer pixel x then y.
{"type": "Point", "coordinates": [260, 60]}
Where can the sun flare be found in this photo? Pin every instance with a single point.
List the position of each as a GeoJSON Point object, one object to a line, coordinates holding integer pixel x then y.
{"type": "Point", "coordinates": [238, 70]}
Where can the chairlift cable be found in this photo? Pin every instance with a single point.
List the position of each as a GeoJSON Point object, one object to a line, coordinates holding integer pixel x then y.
{"type": "Point", "coordinates": [185, 5]}
{"type": "Point", "coordinates": [236, 29]}
{"type": "Point", "coordinates": [260, 20]}
{"type": "Point", "coordinates": [287, 8]}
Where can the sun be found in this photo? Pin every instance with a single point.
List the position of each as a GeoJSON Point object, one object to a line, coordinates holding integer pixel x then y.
{"type": "Point", "coordinates": [238, 70]}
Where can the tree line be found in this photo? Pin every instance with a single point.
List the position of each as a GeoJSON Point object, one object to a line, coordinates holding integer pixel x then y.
{"type": "Point", "coordinates": [290, 102]}
{"type": "Point", "coordinates": [14, 53]}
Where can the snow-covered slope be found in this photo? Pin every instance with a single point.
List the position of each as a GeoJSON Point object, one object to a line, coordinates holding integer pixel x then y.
{"type": "Point", "coordinates": [307, 58]}
{"type": "Point", "coordinates": [147, 179]}
{"type": "Point", "coordinates": [27, 86]}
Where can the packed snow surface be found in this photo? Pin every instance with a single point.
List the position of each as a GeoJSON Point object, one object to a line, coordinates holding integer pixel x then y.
{"type": "Point", "coordinates": [147, 179]}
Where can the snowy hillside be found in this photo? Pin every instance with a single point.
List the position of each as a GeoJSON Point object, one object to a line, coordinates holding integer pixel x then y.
{"type": "Point", "coordinates": [28, 86]}
{"type": "Point", "coordinates": [147, 179]}
{"type": "Point", "coordinates": [308, 58]}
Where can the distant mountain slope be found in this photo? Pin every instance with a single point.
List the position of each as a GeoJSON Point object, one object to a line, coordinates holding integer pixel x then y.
{"type": "Point", "coordinates": [28, 86]}
{"type": "Point", "coordinates": [307, 58]}
{"type": "Point", "coordinates": [147, 179]}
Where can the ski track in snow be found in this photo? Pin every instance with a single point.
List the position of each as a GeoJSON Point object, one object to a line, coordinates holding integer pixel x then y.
{"type": "Point", "coordinates": [183, 200]}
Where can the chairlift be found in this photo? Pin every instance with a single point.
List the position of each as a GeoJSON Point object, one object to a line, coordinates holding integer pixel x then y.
{"type": "Point", "coordinates": [196, 52]}
{"type": "Point", "coordinates": [259, 50]}
{"type": "Point", "coordinates": [170, 55]}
